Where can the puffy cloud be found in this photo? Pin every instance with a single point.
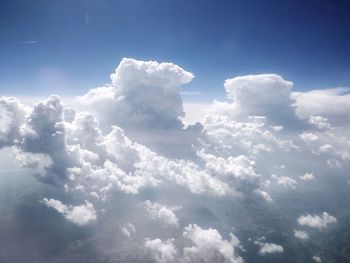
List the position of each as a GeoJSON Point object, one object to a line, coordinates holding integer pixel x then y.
{"type": "Point", "coordinates": [264, 195]}
{"type": "Point", "coordinates": [307, 177]}
{"type": "Point", "coordinates": [316, 259]}
{"type": "Point", "coordinates": [301, 234]}
{"type": "Point", "coordinates": [317, 221]}
{"type": "Point", "coordinates": [208, 246]}
{"type": "Point", "coordinates": [80, 215]}
{"type": "Point", "coordinates": [129, 145]}
{"type": "Point", "coordinates": [285, 181]}
{"type": "Point", "coordinates": [158, 211]}
{"type": "Point", "coordinates": [333, 104]}
{"type": "Point", "coordinates": [144, 94]}
{"type": "Point", "coordinates": [31, 160]}
{"type": "Point", "coordinates": [237, 171]}
{"type": "Point", "coordinates": [252, 137]}
{"type": "Point", "coordinates": [128, 230]}
{"type": "Point", "coordinates": [12, 116]}
{"type": "Point", "coordinates": [320, 122]}
{"type": "Point", "coordinates": [162, 251]}
{"type": "Point", "coordinates": [262, 95]}
{"type": "Point", "coordinates": [44, 132]}
{"type": "Point", "coordinates": [269, 248]}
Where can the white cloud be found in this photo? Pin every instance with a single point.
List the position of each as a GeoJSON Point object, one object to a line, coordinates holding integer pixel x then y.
{"type": "Point", "coordinates": [307, 177]}
{"type": "Point", "coordinates": [128, 230]}
{"type": "Point", "coordinates": [269, 248]}
{"type": "Point", "coordinates": [12, 116]}
{"type": "Point", "coordinates": [144, 94]}
{"type": "Point", "coordinates": [239, 172]}
{"type": "Point", "coordinates": [320, 122]}
{"type": "Point", "coordinates": [266, 94]}
{"type": "Point", "coordinates": [130, 144]}
{"type": "Point", "coordinates": [317, 221]}
{"type": "Point", "coordinates": [208, 246]}
{"type": "Point", "coordinates": [158, 211]}
{"type": "Point", "coordinates": [317, 259]}
{"type": "Point", "coordinates": [333, 104]}
{"type": "Point", "coordinates": [285, 181]}
{"type": "Point", "coordinates": [80, 215]}
{"type": "Point", "coordinates": [162, 251]}
{"type": "Point", "coordinates": [31, 160]}
{"type": "Point", "coordinates": [301, 234]}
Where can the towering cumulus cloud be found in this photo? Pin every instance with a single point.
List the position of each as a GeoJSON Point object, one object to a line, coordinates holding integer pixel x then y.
{"type": "Point", "coordinates": [127, 181]}
{"type": "Point", "coordinates": [142, 95]}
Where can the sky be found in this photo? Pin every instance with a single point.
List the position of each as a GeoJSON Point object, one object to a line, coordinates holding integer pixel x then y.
{"type": "Point", "coordinates": [174, 131]}
{"type": "Point", "coordinates": [67, 47]}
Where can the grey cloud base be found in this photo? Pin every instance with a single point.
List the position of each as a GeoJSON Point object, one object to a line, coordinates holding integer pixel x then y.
{"type": "Point", "coordinates": [258, 180]}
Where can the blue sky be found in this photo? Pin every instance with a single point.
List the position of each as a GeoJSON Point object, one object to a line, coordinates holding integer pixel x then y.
{"type": "Point", "coordinates": [68, 47]}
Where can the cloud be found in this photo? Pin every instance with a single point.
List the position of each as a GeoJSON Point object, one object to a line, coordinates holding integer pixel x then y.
{"type": "Point", "coordinates": [80, 215]}
{"type": "Point", "coordinates": [30, 42]}
{"type": "Point", "coordinates": [13, 115]}
{"type": "Point", "coordinates": [239, 172]}
{"type": "Point", "coordinates": [31, 160]}
{"type": "Point", "coordinates": [317, 221]}
{"type": "Point", "coordinates": [284, 181]}
{"type": "Point", "coordinates": [128, 230]}
{"type": "Point", "coordinates": [301, 234]}
{"type": "Point", "coordinates": [262, 95]}
{"type": "Point", "coordinates": [144, 94]}
{"type": "Point", "coordinates": [317, 259]}
{"type": "Point", "coordinates": [269, 248]}
{"type": "Point", "coordinates": [158, 211]}
{"type": "Point", "coordinates": [333, 104]}
{"type": "Point", "coordinates": [162, 251]}
{"type": "Point", "coordinates": [125, 157]}
{"type": "Point", "coordinates": [307, 177]}
{"type": "Point", "coordinates": [208, 246]}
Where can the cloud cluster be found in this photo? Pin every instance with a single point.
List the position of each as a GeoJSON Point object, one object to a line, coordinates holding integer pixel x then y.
{"type": "Point", "coordinates": [157, 211]}
{"type": "Point", "coordinates": [170, 192]}
{"type": "Point", "coordinates": [80, 215]}
{"type": "Point", "coordinates": [207, 245]}
{"type": "Point", "coordinates": [269, 248]}
{"type": "Point", "coordinates": [317, 221]}
{"type": "Point", "coordinates": [302, 235]}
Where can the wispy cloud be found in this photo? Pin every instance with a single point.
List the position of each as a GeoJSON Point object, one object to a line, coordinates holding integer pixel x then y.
{"type": "Point", "coordinates": [30, 42]}
{"type": "Point", "coordinates": [191, 93]}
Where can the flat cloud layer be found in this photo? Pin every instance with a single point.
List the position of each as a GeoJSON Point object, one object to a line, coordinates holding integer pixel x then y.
{"type": "Point", "coordinates": [135, 184]}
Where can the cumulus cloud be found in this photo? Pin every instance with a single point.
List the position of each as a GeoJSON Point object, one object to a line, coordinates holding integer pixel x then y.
{"type": "Point", "coordinates": [332, 104]}
{"type": "Point", "coordinates": [262, 95]}
{"type": "Point", "coordinates": [301, 234]}
{"type": "Point", "coordinates": [209, 246]}
{"type": "Point", "coordinates": [317, 259]}
{"type": "Point", "coordinates": [144, 94]}
{"type": "Point", "coordinates": [31, 160]}
{"type": "Point", "coordinates": [126, 157]}
{"type": "Point", "coordinates": [158, 211]}
{"type": "Point", "coordinates": [269, 248]}
{"type": "Point", "coordinates": [317, 221]}
{"type": "Point", "coordinates": [80, 215]}
{"type": "Point", "coordinates": [284, 181]}
{"type": "Point", "coordinates": [128, 229]}
{"type": "Point", "coordinates": [307, 177]}
{"type": "Point", "coordinates": [162, 251]}
{"type": "Point", "coordinates": [12, 116]}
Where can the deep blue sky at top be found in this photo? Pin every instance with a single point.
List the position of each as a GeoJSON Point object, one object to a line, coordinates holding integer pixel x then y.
{"type": "Point", "coordinates": [69, 46]}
